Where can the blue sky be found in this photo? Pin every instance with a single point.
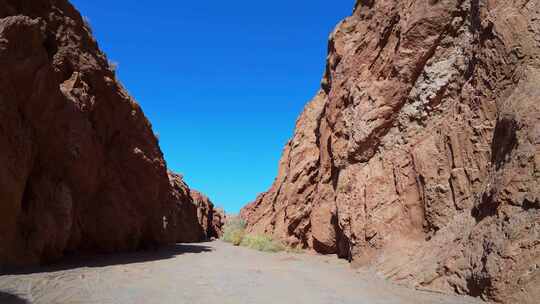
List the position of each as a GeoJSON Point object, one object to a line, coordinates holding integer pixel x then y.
{"type": "Point", "coordinates": [222, 82]}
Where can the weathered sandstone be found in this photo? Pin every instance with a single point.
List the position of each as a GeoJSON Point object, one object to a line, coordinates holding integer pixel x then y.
{"type": "Point", "coordinates": [211, 219]}
{"type": "Point", "coordinates": [193, 217]}
{"type": "Point", "coordinates": [81, 167]}
{"type": "Point", "coordinates": [420, 154]}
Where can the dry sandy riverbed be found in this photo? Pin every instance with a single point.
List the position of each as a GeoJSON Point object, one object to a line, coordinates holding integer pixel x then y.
{"type": "Point", "coordinates": [213, 272]}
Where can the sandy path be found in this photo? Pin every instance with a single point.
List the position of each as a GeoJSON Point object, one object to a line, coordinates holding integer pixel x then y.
{"type": "Point", "coordinates": [208, 273]}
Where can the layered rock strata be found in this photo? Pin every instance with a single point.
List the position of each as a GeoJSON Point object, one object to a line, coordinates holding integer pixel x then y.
{"type": "Point", "coordinates": [420, 154]}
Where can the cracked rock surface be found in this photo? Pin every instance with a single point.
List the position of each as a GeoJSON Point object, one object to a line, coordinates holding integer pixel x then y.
{"type": "Point", "coordinates": [81, 168]}
{"type": "Point", "coordinates": [420, 154]}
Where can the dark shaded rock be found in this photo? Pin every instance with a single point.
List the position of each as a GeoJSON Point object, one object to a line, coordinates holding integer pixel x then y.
{"type": "Point", "coordinates": [81, 167]}
{"type": "Point", "coordinates": [210, 218]}
{"type": "Point", "coordinates": [193, 217]}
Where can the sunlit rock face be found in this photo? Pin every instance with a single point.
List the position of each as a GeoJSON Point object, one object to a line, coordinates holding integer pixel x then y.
{"type": "Point", "coordinates": [81, 167]}
{"type": "Point", "coordinates": [420, 156]}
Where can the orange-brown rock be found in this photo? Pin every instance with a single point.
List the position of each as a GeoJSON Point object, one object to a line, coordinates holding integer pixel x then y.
{"type": "Point", "coordinates": [192, 217]}
{"type": "Point", "coordinates": [420, 154]}
{"type": "Point", "coordinates": [81, 167]}
{"type": "Point", "coordinates": [211, 219]}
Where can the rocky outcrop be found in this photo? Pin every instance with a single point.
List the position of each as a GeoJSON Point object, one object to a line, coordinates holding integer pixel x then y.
{"type": "Point", "coordinates": [420, 154]}
{"type": "Point", "coordinates": [182, 222]}
{"type": "Point", "coordinates": [193, 217]}
{"type": "Point", "coordinates": [219, 218]}
{"type": "Point", "coordinates": [81, 167]}
{"type": "Point", "coordinates": [210, 218]}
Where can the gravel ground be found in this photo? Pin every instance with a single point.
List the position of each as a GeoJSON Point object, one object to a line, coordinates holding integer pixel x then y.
{"type": "Point", "coordinates": [213, 272]}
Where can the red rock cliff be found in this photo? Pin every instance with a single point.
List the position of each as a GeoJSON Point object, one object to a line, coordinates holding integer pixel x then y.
{"type": "Point", "coordinates": [193, 216]}
{"type": "Point", "coordinates": [81, 167]}
{"type": "Point", "coordinates": [420, 154]}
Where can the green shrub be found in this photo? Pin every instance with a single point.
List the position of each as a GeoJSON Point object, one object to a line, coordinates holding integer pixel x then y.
{"type": "Point", "coordinates": [236, 237]}
{"type": "Point", "coordinates": [234, 231]}
{"type": "Point", "coordinates": [261, 242]}
{"type": "Point", "coordinates": [295, 250]}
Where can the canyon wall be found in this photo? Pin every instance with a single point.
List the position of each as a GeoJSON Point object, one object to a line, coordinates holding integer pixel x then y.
{"type": "Point", "coordinates": [81, 167]}
{"type": "Point", "coordinates": [420, 154]}
{"type": "Point", "coordinates": [193, 216]}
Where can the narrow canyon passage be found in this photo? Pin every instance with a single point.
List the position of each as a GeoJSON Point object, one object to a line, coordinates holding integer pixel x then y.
{"type": "Point", "coordinates": [213, 272]}
{"type": "Point", "coordinates": [417, 158]}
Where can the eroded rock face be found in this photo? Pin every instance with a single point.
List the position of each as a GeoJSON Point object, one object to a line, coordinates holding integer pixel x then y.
{"type": "Point", "coordinates": [193, 217]}
{"type": "Point", "coordinates": [81, 167]}
{"type": "Point", "coordinates": [420, 154]}
{"type": "Point", "coordinates": [211, 219]}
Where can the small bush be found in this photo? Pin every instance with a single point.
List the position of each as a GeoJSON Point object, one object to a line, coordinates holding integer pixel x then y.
{"type": "Point", "coordinates": [236, 237]}
{"type": "Point", "coordinates": [234, 231]}
{"type": "Point", "coordinates": [295, 250]}
{"type": "Point", "coordinates": [261, 242]}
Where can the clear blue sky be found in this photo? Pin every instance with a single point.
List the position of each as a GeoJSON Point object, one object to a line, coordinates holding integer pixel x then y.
{"type": "Point", "coordinates": [222, 82]}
